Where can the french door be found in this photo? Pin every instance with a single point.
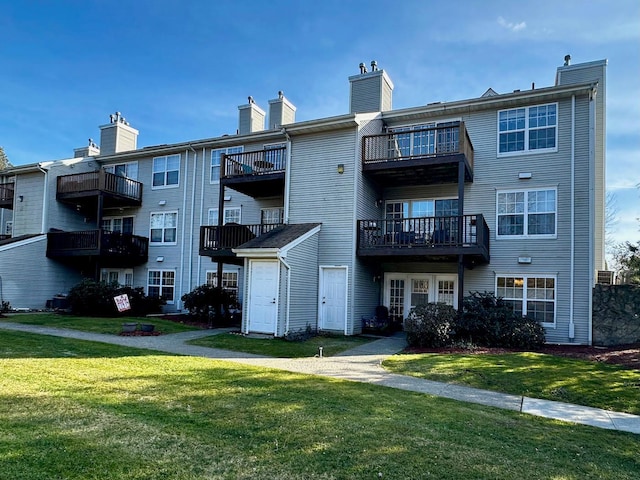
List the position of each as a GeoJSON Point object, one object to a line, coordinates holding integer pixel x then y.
{"type": "Point", "coordinates": [403, 291]}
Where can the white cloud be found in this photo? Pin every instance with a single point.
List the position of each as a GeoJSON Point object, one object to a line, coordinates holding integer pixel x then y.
{"type": "Point", "coordinates": [514, 27]}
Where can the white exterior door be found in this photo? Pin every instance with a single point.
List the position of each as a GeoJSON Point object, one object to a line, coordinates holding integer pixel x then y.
{"type": "Point", "coordinates": [263, 296]}
{"type": "Point", "coordinates": [333, 298]}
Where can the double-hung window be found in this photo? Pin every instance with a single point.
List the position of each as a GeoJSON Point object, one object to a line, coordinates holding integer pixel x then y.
{"type": "Point", "coordinates": [529, 296]}
{"type": "Point", "coordinates": [128, 170]}
{"type": "Point", "coordinates": [525, 213]}
{"type": "Point", "coordinates": [528, 129]}
{"type": "Point", "coordinates": [161, 284]}
{"type": "Point", "coordinates": [164, 228]}
{"type": "Point", "coordinates": [216, 157]}
{"type": "Point", "coordinates": [166, 171]}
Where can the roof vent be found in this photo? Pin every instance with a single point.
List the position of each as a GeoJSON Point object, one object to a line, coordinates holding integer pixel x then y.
{"type": "Point", "coordinates": [567, 60]}
{"type": "Point", "coordinates": [363, 68]}
{"type": "Point", "coordinates": [374, 66]}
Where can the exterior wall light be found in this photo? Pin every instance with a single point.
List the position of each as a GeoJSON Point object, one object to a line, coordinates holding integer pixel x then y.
{"type": "Point", "coordinates": [341, 168]}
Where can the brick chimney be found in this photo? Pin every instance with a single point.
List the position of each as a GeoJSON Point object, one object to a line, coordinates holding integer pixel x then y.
{"type": "Point", "coordinates": [117, 136]}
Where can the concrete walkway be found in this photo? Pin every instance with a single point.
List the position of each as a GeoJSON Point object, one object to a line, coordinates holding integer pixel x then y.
{"type": "Point", "coordinates": [361, 364]}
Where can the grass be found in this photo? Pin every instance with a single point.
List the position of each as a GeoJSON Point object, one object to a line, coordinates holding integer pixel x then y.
{"type": "Point", "coordinates": [582, 382]}
{"type": "Point", "coordinates": [280, 348]}
{"type": "Point", "coordinates": [129, 414]}
{"type": "Point", "coordinates": [93, 324]}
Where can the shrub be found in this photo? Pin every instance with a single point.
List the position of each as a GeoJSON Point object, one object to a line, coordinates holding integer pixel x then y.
{"type": "Point", "coordinates": [489, 321]}
{"type": "Point", "coordinates": [430, 325]}
{"type": "Point", "coordinates": [95, 299]}
{"type": "Point", "coordinates": [208, 303]}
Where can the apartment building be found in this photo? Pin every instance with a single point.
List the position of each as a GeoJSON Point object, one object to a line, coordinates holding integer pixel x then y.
{"type": "Point", "coordinates": [315, 223]}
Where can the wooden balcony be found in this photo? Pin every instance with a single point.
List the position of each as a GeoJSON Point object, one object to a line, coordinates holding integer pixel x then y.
{"type": "Point", "coordinates": [85, 188]}
{"type": "Point", "coordinates": [257, 174]}
{"type": "Point", "coordinates": [433, 239]}
{"type": "Point", "coordinates": [218, 241]}
{"type": "Point", "coordinates": [111, 248]}
{"type": "Point", "coordinates": [418, 157]}
{"type": "Point", "coordinates": [7, 191]}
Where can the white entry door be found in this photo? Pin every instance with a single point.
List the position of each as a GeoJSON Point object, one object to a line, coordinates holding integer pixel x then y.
{"type": "Point", "coordinates": [263, 296]}
{"type": "Point", "coordinates": [333, 298]}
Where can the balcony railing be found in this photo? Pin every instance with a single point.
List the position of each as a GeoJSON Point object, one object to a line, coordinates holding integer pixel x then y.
{"type": "Point", "coordinates": [423, 143]}
{"type": "Point", "coordinates": [100, 181]}
{"type": "Point", "coordinates": [99, 243]}
{"type": "Point", "coordinates": [254, 163]}
{"type": "Point", "coordinates": [217, 239]}
{"type": "Point", "coordinates": [425, 236]}
{"type": "Point", "coordinates": [7, 191]}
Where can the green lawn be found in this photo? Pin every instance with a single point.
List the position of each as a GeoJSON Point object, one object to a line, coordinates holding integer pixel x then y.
{"type": "Point", "coordinates": [93, 324]}
{"type": "Point", "coordinates": [77, 410]}
{"type": "Point", "coordinates": [280, 348]}
{"type": "Point", "coordinates": [532, 374]}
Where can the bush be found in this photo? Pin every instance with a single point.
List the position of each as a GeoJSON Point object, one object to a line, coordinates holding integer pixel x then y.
{"type": "Point", "coordinates": [489, 321]}
{"type": "Point", "coordinates": [208, 303]}
{"type": "Point", "coordinates": [95, 299]}
{"type": "Point", "coordinates": [430, 325]}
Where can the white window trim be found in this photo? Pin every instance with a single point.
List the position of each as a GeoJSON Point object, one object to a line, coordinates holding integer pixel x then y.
{"type": "Point", "coordinates": [525, 213]}
{"type": "Point", "coordinates": [280, 209]}
{"type": "Point", "coordinates": [122, 217]}
{"type": "Point", "coordinates": [227, 272]}
{"type": "Point", "coordinates": [162, 187]}
{"type": "Point", "coordinates": [157, 244]}
{"type": "Point", "coordinates": [525, 277]}
{"type": "Point", "coordinates": [430, 199]}
{"type": "Point", "coordinates": [226, 209]}
{"type": "Point", "coordinates": [114, 165]}
{"type": "Point", "coordinates": [226, 152]}
{"type": "Point", "coordinates": [526, 150]}
{"type": "Point", "coordinates": [433, 286]}
{"type": "Point", "coordinates": [175, 277]}
{"type": "Point", "coordinates": [122, 273]}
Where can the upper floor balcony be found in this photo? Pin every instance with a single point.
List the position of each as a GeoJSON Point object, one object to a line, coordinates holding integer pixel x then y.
{"type": "Point", "coordinates": [217, 241]}
{"type": "Point", "coordinates": [85, 188]}
{"type": "Point", "coordinates": [437, 239]}
{"type": "Point", "coordinates": [114, 249]}
{"type": "Point", "coordinates": [7, 191]}
{"type": "Point", "coordinates": [257, 174]}
{"type": "Point", "coordinates": [418, 156]}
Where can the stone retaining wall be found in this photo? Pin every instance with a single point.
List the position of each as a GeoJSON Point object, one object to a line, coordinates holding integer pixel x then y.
{"type": "Point", "coordinates": [616, 314]}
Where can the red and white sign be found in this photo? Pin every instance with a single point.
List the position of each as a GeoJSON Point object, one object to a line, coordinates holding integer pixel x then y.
{"type": "Point", "coordinates": [122, 302]}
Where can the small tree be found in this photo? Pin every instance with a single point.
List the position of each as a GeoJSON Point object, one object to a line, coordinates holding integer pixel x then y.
{"type": "Point", "coordinates": [627, 256]}
{"type": "Point", "coordinates": [4, 160]}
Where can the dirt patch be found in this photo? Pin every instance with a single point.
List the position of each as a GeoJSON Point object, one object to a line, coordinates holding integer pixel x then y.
{"type": "Point", "coordinates": [625, 355]}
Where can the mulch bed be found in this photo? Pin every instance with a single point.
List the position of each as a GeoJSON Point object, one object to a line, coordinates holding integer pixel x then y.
{"type": "Point", "coordinates": [625, 355]}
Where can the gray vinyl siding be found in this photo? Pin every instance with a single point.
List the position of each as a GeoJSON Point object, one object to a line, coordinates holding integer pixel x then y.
{"type": "Point", "coordinates": [366, 94]}
{"type": "Point", "coordinates": [319, 194]}
{"type": "Point", "coordinates": [303, 303]}
{"type": "Point", "coordinates": [27, 215]}
{"type": "Point", "coordinates": [28, 278]}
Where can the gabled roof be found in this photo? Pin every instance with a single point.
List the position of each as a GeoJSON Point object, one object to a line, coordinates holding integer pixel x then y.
{"type": "Point", "coordinates": [278, 240]}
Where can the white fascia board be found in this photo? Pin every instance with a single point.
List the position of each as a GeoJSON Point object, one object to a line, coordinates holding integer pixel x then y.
{"type": "Point", "coordinates": [257, 252]}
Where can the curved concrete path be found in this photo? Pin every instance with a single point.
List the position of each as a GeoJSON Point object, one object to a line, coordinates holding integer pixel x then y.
{"type": "Point", "coordinates": [361, 364]}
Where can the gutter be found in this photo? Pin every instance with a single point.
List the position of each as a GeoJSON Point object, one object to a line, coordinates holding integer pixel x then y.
{"type": "Point", "coordinates": [572, 327]}
{"type": "Point", "coordinates": [45, 204]}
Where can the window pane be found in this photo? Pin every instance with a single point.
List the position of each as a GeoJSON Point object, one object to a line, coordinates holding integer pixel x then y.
{"type": "Point", "coordinates": [170, 235]}
{"type": "Point", "coordinates": [511, 225]}
{"type": "Point", "coordinates": [156, 235]}
{"type": "Point", "coordinates": [544, 224]}
{"type": "Point", "coordinates": [158, 179]}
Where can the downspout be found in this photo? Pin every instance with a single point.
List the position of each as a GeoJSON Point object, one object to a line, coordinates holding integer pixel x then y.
{"type": "Point", "coordinates": [184, 221]}
{"type": "Point", "coordinates": [193, 209]}
{"type": "Point", "coordinates": [592, 139]}
{"type": "Point", "coordinates": [572, 327]}
{"type": "Point", "coordinates": [287, 177]}
{"type": "Point", "coordinates": [45, 204]}
{"type": "Point", "coordinates": [288, 302]}
{"type": "Point", "coordinates": [201, 210]}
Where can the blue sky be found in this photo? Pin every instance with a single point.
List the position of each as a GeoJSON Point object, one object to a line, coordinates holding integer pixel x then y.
{"type": "Point", "coordinates": [177, 70]}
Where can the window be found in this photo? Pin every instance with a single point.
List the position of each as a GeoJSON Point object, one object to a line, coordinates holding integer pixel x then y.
{"type": "Point", "coordinates": [527, 129]}
{"type": "Point", "coordinates": [164, 228]}
{"type": "Point", "coordinates": [129, 170]}
{"type": "Point", "coordinates": [271, 216]}
{"type": "Point", "coordinates": [216, 156]}
{"type": "Point", "coordinates": [403, 291]}
{"type": "Point", "coordinates": [166, 171]}
{"type": "Point", "coordinates": [161, 284]}
{"type": "Point", "coordinates": [8, 227]}
{"type": "Point", "coordinates": [526, 213]}
{"type": "Point", "coordinates": [423, 209]}
{"type": "Point", "coordinates": [533, 297]}
{"type": "Point", "coordinates": [229, 280]}
{"type": "Point", "coordinates": [274, 156]}
{"type": "Point", "coordinates": [117, 224]}
{"type": "Point", "coordinates": [231, 215]}
{"type": "Point", "coordinates": [120, 276]}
